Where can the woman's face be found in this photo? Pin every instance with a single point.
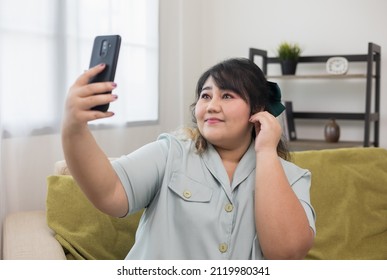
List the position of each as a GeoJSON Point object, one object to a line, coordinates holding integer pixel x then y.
{"type": "Point", "coordinates": [223, 116]}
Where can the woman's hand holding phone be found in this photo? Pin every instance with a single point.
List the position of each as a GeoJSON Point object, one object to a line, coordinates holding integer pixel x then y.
{"type": "Point", "coordinates": [90, 95]}
{"type": "Point", "coordinates": [106, 49]}
{"type": "Point", "coordinates": [84, 95]}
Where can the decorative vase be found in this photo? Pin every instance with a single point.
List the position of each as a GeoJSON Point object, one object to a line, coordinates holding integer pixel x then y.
{"type": "Point", "coordinates": [288, 67]}
{"type": "Point", "coordinates": [332, 131]}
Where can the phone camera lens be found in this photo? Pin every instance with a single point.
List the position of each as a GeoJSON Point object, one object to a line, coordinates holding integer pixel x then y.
{"type": "Point", "coordinates": [104, 47]}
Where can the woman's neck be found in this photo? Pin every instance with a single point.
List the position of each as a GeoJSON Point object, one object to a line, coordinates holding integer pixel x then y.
{"type": "Point", "coordinates": [231, 156]}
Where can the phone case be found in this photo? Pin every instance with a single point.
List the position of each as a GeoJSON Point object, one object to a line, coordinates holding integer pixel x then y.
{"type": "Point", "coordinates": [105, 50]}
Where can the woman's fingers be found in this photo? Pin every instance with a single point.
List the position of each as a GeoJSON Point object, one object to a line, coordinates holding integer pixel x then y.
{"type": "Point", "coordinates": [86, 116]}
{"type": "Point", "coordinates": [84, 96]}
{"type": "Point", "coordinates": [88, 74]}
{"type": "Point", "coordinates": [83, 88]}
{"type": "Point", "coordinates": [86, 103]}
{"type": "Point", "coordinates": [267, 128]}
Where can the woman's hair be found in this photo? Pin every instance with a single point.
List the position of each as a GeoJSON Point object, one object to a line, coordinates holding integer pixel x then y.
{"type": "Point", "coordinates": [245, 78]}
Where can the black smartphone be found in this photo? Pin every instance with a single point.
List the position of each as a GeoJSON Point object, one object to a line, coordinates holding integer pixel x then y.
{"type": "Point", "coordinates": [105, 50]}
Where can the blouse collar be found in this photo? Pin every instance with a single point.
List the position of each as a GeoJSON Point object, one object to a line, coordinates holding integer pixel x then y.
{"type": "Point", "coordinates": [214, 164]}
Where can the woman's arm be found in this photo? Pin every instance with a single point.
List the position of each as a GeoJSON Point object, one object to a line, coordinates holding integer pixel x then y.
{"type": "Point", "coordinates": [282, 225]}
{"type": "Point", "coordinates": [87, 162]}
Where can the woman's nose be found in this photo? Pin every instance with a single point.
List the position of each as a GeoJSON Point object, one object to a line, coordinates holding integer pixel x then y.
{"type": "Point", "coordinates": [214, 105]}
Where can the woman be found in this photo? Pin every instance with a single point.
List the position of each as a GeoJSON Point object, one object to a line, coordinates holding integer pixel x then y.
{"type": "Point", "coordinates": [219, 191]}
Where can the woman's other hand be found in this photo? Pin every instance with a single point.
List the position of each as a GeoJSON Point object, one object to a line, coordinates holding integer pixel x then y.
{"type": "Point", "coordinates": [268, 131]}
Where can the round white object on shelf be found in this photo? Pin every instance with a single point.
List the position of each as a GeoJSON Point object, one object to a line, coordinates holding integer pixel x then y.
{"type": "Point", "coordinates": [337, 65]}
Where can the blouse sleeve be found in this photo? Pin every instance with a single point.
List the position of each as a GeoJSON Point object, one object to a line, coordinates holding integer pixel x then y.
{"type": "Point", "coordinates": [141, 173]}
{"type": "Point", "coordinates": [300, 181]}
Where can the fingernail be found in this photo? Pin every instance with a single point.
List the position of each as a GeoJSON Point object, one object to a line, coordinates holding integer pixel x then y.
{"type": "Point", "coordinates": [102, 65]}
{"type": "Point", "coordinates": [114, 85]}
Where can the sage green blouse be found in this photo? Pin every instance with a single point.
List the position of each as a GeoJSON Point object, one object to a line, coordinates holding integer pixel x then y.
{"type": "Point", "coordinates": [192, 210]}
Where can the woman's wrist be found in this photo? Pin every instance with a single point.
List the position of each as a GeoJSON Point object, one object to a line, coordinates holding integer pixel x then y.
{"type": "Point", "coordinates": [267, 152]}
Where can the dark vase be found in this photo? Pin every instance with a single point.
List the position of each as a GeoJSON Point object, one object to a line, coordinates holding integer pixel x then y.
{"type": "Point", "coordinates": [332, 131]}
{"type": "Point", "coordinates": [288, 67]}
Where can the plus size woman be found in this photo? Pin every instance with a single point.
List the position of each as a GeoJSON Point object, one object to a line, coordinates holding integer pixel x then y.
{"type": "Point", "coordinates": [220, 189]}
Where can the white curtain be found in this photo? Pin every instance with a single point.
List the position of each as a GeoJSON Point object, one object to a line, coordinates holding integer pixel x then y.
{"type": "Point", "coordinates": [46, 44]}
{"type": "Point", "coordinates": [3, 206]}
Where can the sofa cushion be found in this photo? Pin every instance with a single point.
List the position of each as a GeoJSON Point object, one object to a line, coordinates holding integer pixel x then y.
{"type": "Point", "coordinates": [349, 194]}
{"type": "Point", "coordinates": [83, 231]}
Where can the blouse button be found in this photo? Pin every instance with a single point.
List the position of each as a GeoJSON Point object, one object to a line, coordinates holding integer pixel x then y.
{"type": "Point", "coordinates": [187, 194]}
{"type": "Point", "coordinates": [228, 207]}
{"type": "Point", "coordinates": [223, 247]}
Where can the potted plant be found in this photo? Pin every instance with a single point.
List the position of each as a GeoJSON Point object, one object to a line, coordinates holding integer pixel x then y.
{"type": "Point", "coordinates": [288, 55]}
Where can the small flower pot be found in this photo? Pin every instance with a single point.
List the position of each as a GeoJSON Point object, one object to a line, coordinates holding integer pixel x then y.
{"type": "Point", "coordinates": [289, 67]}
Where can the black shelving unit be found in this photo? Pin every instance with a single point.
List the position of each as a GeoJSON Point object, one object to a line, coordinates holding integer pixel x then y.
{"type": "Point", "coordinates": [370, 116]}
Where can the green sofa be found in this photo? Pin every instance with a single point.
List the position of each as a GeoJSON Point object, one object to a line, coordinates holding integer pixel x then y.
{"type": "Point", "coordinates": [349, 194]}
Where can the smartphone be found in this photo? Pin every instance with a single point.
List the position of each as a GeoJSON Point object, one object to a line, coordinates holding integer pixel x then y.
{"type": "Point", "coordinates": [105, 50]}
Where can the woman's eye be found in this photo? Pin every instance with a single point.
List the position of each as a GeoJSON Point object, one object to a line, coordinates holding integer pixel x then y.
{"type": "Point", "coordinates": [204, 96]}
{"type": "Point", "coordinates": [227, 96]}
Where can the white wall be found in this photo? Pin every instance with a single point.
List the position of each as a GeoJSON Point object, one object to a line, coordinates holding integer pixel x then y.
{"type": "Point", "coordinates": [195, 34]}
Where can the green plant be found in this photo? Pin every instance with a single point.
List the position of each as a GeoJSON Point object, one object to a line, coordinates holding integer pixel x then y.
{"type": "Point", "coordinates": [288, 51]}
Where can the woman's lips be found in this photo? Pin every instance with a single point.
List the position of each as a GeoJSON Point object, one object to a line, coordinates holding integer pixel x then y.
{"type": "Point", "coordinates": [213, 120]}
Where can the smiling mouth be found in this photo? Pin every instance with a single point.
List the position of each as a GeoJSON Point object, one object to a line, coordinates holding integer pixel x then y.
{"type": "Point", "coordinates": [213, 121]}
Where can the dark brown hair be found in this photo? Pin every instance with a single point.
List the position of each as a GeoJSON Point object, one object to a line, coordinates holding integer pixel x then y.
{"type": "Point", "coordinates": [245, 78]}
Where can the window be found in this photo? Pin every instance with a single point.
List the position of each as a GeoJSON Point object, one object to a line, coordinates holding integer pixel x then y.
{"type": "Point", "coordinates": [46, 44]}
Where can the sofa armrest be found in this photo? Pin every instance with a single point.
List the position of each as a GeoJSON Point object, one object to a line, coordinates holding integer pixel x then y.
{"type": "Point", "coordinates": [26, 236]}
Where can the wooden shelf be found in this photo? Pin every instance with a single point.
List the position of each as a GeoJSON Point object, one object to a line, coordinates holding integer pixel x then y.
{"type": "Point", "coordinates": [305, 144]}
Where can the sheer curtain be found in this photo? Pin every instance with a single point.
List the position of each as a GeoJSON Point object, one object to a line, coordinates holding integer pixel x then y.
{"type": "Point", "coordinates": [46, 44]}
{"type": "Point", "coordinates": [3, 201]}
